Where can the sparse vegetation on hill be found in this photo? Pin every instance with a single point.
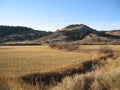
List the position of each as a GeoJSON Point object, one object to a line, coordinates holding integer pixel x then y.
{"type": "Point", "coordinates": [18, 33]}
{"type": "Point", "coordinates": [71, 33]}
{"type": "Point", "coordinates": [77, 32]}
{"type": "Point", "coordinates": [73, 26]}
{"type": "Point", "coordinates": [114, 32]}
{"type": "Point", "coordinates": [81, 33]}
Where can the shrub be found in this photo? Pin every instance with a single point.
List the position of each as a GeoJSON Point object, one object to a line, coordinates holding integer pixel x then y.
{"type": "Point", "coordinates": [91, 81]}
{"type": "Point", "coordinates": [52, 45]}
{"type": "Point", "coordinates": [67, 46]}
{"type": "Point", "coordinates": [106, 50]}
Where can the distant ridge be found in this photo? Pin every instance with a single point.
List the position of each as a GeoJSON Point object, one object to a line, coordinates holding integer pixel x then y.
{"type": "Point", "coordinates": [19, 33]}
{"type": "Point", "coordinates": [75, 33]}
{"type": "Point", "coordinates": [82, 34]}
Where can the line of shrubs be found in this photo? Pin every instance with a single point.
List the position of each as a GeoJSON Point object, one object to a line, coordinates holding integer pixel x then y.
{"type": "Point", "coordinates": [66, 46]}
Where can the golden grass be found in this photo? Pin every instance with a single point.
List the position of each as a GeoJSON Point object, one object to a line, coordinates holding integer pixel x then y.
{"type": "Point", "coordinates": [104, 78]}
{"type": "Point", "coordinates": [16, 61]}
{"type": "Point", "coordinates": [91, 81]}
{"type": "Point", "coordinates": [20, 60]}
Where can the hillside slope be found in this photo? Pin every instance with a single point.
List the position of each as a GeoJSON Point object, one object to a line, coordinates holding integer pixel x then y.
{"type": "Point", "coordinates": [77, 33]}
{"type": "Point", "coordinates": [82, 34]}
{"type": "Point", "coordinates": [18, 33]}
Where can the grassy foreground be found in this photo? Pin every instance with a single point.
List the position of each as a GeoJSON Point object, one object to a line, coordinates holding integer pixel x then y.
{"type": "Point", "coordinates": [21, 60]}
{"type": "Point", "coordinates": [17, 61]}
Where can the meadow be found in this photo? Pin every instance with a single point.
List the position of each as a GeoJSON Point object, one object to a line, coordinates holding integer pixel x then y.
{"type": "Point", "coordinates": [18, 61]}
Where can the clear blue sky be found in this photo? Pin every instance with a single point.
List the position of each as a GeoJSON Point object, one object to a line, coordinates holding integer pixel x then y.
{"type": "Point", "coordinates": [53, 14]}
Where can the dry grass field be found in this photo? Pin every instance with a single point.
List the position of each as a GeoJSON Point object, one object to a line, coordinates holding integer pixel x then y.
{"type": "Point", "coordinates": [18, 61]}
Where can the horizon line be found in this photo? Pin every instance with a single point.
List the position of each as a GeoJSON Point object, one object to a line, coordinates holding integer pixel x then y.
{"type": "Point", "coordinates": [62, 26]}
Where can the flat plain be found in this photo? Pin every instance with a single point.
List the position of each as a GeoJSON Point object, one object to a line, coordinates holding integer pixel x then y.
{"type": "Point", "coordinates": [16, 61]}
{"type": "Point", "coordinates": [20, 60]}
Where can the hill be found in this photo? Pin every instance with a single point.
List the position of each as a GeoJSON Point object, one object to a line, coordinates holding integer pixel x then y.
{"type": "Point", "coordinates": [82, 34]}
{"type": "Point", "coordinates": [75, 33]}
{"type": "Point", "coordinates": [18, 33]}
